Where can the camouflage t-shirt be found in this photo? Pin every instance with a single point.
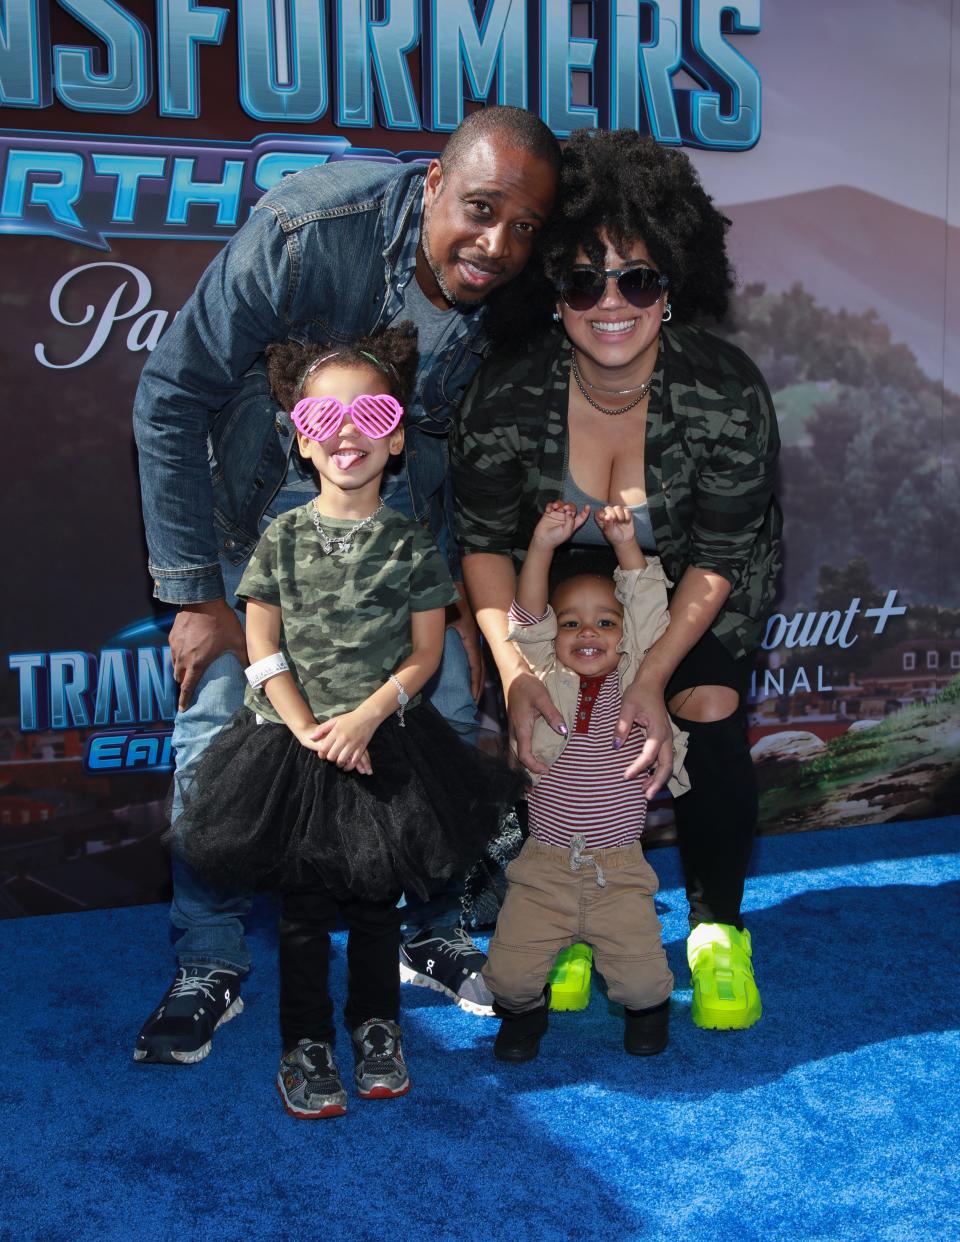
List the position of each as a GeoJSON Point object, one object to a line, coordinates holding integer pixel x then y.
{"type": "Point", "coordinates": [711, 447]}
{"type": "Point", "coordinates": [345, 616]}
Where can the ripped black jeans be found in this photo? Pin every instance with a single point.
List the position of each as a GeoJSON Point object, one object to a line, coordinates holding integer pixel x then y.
{"type": "Point", "coordinates": [716, 819]}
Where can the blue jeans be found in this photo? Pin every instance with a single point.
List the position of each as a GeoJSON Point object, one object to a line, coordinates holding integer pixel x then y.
{"type": "Point", "coordinates": [211, 921]}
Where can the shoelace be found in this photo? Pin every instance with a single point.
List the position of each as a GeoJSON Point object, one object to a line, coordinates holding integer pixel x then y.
{"type": "Point", "coordinates": [190, 985]}
{"type": "Point", "coordinates": [456, 944]}
{"type": "Point", "coordinates": [578, 858]}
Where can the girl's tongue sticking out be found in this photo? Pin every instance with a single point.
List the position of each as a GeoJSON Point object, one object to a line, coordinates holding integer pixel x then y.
{"type": "Point", "coordinates": [347, 456]}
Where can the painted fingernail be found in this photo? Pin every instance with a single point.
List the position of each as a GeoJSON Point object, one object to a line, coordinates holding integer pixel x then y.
{"type": "Point", "coordinates": [617, 743]}
{"type": "Point", "coordinates": [562, 728]}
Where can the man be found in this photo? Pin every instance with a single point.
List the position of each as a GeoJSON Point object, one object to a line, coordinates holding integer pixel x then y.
{"type": "Point", "coordinates": [329, 254]}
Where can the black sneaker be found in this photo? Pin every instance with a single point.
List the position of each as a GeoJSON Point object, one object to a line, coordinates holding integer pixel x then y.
{"type": "Point", "coordinates": [309, 1082]}
{"type": "Point", "coordinates": [381, 1072]}
{"type": "Point", "coordinates": [180, 1030]}
{"type": "Point", "coordinates": [447, 960]}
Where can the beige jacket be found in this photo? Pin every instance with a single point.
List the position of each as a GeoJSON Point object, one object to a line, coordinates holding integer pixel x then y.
{"type": "Point", "coordinates": [643, 593]}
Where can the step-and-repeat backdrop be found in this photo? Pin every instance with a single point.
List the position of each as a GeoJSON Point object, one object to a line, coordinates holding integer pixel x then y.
{"type": "Point", "coordinates": [134, 138]}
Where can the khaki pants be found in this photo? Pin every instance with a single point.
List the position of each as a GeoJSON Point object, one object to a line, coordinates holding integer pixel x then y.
{"type": "Point", "coordinates": [550, 905]}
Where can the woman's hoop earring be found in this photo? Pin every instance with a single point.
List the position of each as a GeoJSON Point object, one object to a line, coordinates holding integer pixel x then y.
{"type": "Point", "coordinates": [667, 314]}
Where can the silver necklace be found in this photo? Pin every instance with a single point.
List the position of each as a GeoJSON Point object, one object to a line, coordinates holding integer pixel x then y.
{"type": "Point", "coordinates": [343, 540]}
{"type": "Point", "coordinates": [641, 391]}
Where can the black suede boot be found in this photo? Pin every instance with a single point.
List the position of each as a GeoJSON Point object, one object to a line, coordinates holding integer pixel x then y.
{"type": "Point", "coordinates": [520, 1033]}
{"type": "Point", "coordinates": [645, 1030]}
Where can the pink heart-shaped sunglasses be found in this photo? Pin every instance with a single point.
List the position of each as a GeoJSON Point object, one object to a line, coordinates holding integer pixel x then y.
{"type": "Point", "coordinates": [318, 418]}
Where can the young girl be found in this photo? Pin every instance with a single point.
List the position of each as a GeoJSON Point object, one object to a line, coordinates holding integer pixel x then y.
{"type": "Point", "coordinates": [581, 874]}
{"type": "Point", "coordinates": [335, 782]}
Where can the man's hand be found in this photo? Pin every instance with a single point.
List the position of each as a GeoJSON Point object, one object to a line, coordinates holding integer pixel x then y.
{"type": "Point", "coordinates": [527, 698]}
{"type": "Point", "coordinates": [644, 706]}
{"type": "Point", "coordinates": [201, 633]}
{"type": "Point", "coordinates": [461, 619]}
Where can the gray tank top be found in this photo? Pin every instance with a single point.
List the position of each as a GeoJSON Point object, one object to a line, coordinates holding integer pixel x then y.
{"type": "Point", "coordinates": [589, 533]}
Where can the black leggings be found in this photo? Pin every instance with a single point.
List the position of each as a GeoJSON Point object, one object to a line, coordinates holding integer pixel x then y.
{"type": "Point", "coordinates": [717, 818]}
{"type": "Point", "coordinates": [307, 916]}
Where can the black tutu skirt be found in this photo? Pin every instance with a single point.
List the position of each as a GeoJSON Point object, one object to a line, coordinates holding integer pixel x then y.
{"type": "Point", "coordinates": [263, 811]}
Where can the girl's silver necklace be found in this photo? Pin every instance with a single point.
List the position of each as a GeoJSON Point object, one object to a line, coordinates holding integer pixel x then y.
{"type": "Point", "coordinates": [342, 541]}
{"type": "Point", "coordinates": [641, 391]}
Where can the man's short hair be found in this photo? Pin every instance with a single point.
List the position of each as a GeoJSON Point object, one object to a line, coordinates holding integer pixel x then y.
{"type": "Point", "coordinates": [521, 130]}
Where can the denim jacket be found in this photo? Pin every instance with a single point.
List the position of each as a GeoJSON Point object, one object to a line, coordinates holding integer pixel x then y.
{"type": "Point", "coordinates": [324, 256]}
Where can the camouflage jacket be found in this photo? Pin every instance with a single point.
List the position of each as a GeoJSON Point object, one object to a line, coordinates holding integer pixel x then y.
{"type": "Point", "coordinates": [710, 459]}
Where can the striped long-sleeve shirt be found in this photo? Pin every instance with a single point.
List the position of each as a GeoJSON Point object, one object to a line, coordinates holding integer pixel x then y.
{"type": "Point", "coordinates": [584, 791]}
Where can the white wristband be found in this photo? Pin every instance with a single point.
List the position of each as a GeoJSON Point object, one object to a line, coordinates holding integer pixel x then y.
{"type": "Point", "coordinates": [266, 668]}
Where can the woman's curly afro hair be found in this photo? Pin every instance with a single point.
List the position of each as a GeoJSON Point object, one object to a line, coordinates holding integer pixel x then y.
{"type": "Point", "coordinates": [392, 351]}
{"type": "Point", "coordinates": [636, 190]}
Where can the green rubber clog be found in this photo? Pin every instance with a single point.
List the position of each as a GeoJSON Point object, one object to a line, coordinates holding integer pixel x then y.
{"type": "Point", "coordinates": [569, 979]}
{"type": "Point", "coordinates": [725, 995]}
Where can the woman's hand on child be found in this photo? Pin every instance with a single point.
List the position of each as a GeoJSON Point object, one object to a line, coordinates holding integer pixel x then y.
{"type": "Point", "coordinates": [528, 698]}
{"type": "Point", "coordinates": [560, 521]}
{"type": "Point", "coordinates": [644, 707]}
{"type": "Point", "coordinates": [343, 740]}
{"type": "Point", "coordinates": [616, 524]}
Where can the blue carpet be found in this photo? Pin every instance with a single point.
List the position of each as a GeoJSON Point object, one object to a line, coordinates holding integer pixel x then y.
{"type": "Point", "coordinates": [835, 1118]}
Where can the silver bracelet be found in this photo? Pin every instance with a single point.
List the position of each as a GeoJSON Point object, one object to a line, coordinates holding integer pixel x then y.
{"type": "Point", "coordinates": [269, 666]}
{"type": "Point", "coordinates": [402, 698]}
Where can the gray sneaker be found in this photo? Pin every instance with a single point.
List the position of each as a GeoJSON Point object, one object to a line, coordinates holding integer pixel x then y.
{"type": "Point", "coordinates": [381, 1071]}
{"type": "Point", "coordinates": [309, 1082]}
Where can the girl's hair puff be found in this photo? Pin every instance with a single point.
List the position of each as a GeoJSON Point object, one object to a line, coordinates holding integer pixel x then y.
{"type": "Point", "coordinates": [392, 351]}
{"type": "Point", "coordinates": [636, 190]}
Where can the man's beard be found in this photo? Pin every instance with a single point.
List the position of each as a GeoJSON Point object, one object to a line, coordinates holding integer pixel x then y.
{"type": "Point", "coordinates": [433, 265]}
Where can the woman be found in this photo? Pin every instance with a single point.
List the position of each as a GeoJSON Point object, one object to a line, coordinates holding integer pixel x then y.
{"type": "Point", "coordinates": [625, 402]}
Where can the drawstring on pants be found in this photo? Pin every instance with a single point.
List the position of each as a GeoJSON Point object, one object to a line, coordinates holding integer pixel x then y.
{"type": "Point", "coordinates": [578, 858]}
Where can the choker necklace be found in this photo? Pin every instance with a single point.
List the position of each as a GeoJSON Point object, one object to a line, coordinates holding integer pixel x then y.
{"type": "Point", "coordinates": [343, 540]}
{"type": "Point", "coordinates": [641, 391]}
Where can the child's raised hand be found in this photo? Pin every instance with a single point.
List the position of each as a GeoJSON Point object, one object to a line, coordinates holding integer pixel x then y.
{"type": "Point", "coordinates": [343, 740]}
{"type": "Point", "coordinates": [559, 522]}
{"type": "Point", "coordinates": [616, 524]}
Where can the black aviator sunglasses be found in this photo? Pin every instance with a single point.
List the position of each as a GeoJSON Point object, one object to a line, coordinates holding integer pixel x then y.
{"type": "Point", "coordinates": [640, 286]}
